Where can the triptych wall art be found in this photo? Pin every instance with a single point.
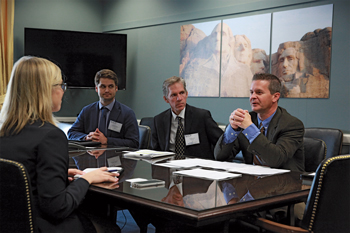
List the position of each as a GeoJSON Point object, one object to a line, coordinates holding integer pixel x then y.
{"type": "Point", "coordinates": [219, 58]}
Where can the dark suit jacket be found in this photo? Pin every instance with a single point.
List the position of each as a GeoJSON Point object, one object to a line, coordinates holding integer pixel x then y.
{"type": "Point", "coordinates": [43, 150]}
{"type": "Point", "coordinates": [87, 122]}
{"type": "Point", "coordinates": [281, 148]}
{"type": "Point", "coordinates": [196, 121]}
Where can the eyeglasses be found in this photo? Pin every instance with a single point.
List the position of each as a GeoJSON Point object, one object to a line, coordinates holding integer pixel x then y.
{"type": "Point", "coordinates": [63, 86]}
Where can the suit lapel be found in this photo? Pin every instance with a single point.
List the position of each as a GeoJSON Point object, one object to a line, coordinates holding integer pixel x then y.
{"type": "Point", "coordinates": [188, 118]}
{"type": "Point", "coordinates": [94, 121]}
{"type": "Point", "coordinates": [273, 125]}
{"type": "Point", "coordinates": [114, 115]}
{"type": "Point", "coordinates": [167, 125]}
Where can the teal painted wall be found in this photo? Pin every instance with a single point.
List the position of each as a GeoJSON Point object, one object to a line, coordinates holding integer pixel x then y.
{"type": "Point", "coordinates": [153, 29]}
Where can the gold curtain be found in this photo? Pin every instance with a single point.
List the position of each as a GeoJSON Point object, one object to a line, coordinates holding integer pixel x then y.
{"type": "Point", "coordinates": [7, 9]}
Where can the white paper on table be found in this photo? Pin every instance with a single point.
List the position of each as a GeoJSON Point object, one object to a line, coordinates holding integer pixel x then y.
{"type": "Point", "coordinates": [207, 174]}
{"type": "Point", "coordinates": [184, 163]}
{"type": "Point", "coordinates": [109, 169]}
{"type": "Point", "coordinates": [258, 170]}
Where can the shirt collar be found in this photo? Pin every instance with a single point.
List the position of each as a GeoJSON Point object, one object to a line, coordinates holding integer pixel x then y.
{"type": "Point", "coordinates": [182, 114]}
{"type": "Point", "coordinates": [267, 121]}
{"type": "Point", "coordinates": [109, 106]}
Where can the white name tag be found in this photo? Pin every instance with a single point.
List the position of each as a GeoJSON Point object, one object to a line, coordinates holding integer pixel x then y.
{"type": "Point", "coordinates": [192, 139]}
{"type": "Point", "coordinates": [115, 126]}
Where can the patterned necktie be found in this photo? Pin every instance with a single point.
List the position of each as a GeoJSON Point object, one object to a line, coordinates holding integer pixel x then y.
{"type": "Point", "coordinates": [257, 158]}
{"type": "Point", "coordinates": [179, 140]}
{"type": "Point", "coordinates": [102, 125]}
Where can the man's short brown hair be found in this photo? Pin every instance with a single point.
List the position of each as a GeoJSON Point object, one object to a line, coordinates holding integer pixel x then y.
{"type": "Point", "coordinates": [275, 84]}
{"type": "Point", "coordinates": [106, 73]}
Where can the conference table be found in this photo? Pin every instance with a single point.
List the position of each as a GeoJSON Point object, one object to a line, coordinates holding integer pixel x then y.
{"type": "Point", "coordinates": [183, 203]}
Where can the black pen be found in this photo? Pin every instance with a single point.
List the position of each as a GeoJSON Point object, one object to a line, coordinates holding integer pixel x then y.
{"type": "Point", "coordinates": [120, 171]}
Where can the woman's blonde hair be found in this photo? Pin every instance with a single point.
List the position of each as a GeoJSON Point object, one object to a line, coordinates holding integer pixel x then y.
{"type": "Point", "coordinates": [29, 94]}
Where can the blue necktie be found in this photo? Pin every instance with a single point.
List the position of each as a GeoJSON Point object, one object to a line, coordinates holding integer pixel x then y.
{"type": "Point", "coordinates": [103, 119]}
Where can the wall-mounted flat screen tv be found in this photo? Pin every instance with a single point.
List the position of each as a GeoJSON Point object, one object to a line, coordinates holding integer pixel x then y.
{"type": "Point", "coordinates": [79, 54]}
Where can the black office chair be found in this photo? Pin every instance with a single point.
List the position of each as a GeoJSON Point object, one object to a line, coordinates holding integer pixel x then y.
{"type": "Point", "coordinates": [327, 207]}
{"type": "Point", "coordinates": [315, 152]}
{"type": "Point", "coordinates": [332, 137]}
{"type": "Point", "coordinates": [144, 137]}
{"type": "Point", "coordinates": [150, 123]}
{"type": "Point", "coordinates": [16, 211]}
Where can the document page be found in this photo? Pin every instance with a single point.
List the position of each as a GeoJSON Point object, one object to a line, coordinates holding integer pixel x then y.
{"type": "Point", "coordinates": [207, 174]}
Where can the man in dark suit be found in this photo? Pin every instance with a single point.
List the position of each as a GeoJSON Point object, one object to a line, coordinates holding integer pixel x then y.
{"type": "Point", "coordinates": [200, 131]}
{"type": "Point", "coordinates": [268, 135]}
{"type": "Point", "coordinates": [119, 125]}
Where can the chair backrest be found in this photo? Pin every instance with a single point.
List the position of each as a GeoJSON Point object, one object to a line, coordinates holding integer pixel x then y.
{"type": "Point", "coordinates": [328, 204]}
{"type": "Point", "coordinates": [149, 121]}
{"type": "Point", "coordinates": [16, 211]}
{"type": "Point", "coordinates": [144, 137]}
{"type": "Point", "coordinates": [315, 152]}
{"type": "Point", "coordinates": [332, 137]}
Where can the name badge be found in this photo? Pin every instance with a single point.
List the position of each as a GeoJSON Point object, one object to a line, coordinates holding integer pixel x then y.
{"type": "Point", "coordinates": [192, 139]}
{"type": "Point", "coordinates": [115, 126]}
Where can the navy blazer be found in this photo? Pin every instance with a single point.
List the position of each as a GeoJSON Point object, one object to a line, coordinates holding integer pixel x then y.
{"type": "Point", "coordinates": [283, 146]}
{"type": "Point", "coordinates": [87, 122]}
{"type": "Point", "coordinates": [196, 121]}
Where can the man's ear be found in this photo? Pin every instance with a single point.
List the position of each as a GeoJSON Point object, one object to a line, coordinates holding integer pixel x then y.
{"type": "Point", "coordinates": [165, 99]}
{"type": "Point", "coordinates": [96, 89]}
{"type": "Point", "coordinates": [276, 97]}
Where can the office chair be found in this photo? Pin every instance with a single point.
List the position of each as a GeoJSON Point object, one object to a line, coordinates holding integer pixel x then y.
{"type": "Point", "coordinates": [315, 152]}
{"type": "Point", "coordinates": [144, 137]}
{"type": "Point", "coordinates": [148, 121]}
{"type": "Point", "coordinates": [327, 207]}
{"type": "Point", "coordinates": [332, 137]}
{"type": "Point", "coordinates": [16, 211]}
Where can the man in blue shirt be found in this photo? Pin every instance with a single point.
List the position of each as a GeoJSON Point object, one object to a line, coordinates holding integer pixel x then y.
{"type": "Point", "coordinates": [106, 121]}
{"type": "Point", "coordinates": [268, 135]}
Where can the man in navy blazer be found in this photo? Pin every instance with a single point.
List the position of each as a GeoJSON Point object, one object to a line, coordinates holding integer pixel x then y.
{"type": "Point", "coordinates": [120, 127]}
{"type": "Point", "coordinates": [200, 130]}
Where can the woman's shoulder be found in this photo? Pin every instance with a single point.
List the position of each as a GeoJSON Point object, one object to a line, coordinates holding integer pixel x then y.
{"type": "Point", "coordinates": [45, 128]}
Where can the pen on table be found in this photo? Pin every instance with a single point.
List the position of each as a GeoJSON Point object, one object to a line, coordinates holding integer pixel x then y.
{"type": "Point", "coordinates": [114, 170]}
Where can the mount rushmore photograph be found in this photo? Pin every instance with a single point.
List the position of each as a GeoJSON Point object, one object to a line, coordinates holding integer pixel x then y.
{"type": "Point", "coordinates": [219, 58]}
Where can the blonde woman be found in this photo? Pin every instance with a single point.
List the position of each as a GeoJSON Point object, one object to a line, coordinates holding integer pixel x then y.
{"type": "Point", "coordinates": [29, 135]}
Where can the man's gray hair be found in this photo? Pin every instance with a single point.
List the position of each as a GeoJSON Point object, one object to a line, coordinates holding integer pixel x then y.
{"type": "Point", "coordinates": [171, 81]}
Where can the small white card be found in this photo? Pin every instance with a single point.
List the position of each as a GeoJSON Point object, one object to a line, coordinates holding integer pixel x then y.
{"type": "Point", "coordinates": [115, 126]}
{"type": "Point", "coordinates": [192, 139]}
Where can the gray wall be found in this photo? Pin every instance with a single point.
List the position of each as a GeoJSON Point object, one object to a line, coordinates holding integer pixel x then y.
{"type": "Point", "coordinates": [153, 29]}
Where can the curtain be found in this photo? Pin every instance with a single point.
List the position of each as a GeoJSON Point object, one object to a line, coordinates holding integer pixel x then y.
{"type": "Point", "coordinates": [7, 9]}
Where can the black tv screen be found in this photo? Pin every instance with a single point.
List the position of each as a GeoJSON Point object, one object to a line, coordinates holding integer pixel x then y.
{"type": "Point", "coordinates": [79, 54]}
